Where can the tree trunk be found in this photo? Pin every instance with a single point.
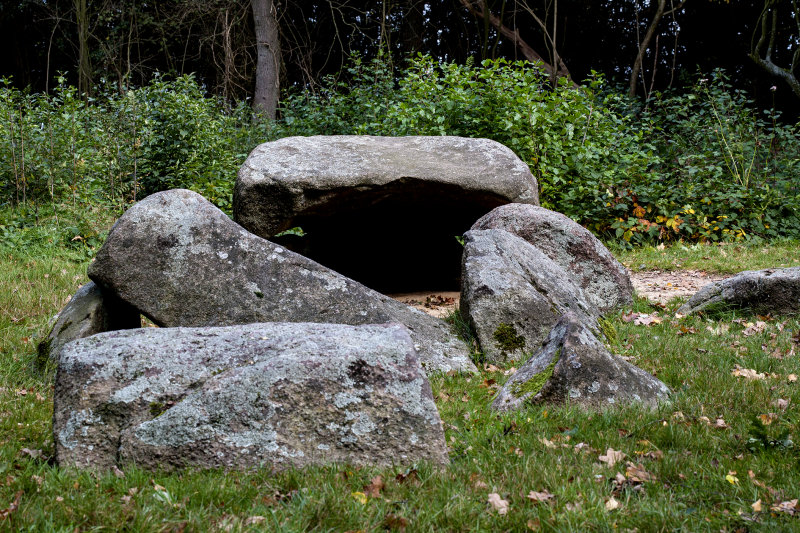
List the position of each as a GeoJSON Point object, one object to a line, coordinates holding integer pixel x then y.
{"type": "Point", "coordinates": [265, 22]}
{"type": "Point", "coordinates": [84, 67]}
{"type": "Point", "coordinates": [651, 30]}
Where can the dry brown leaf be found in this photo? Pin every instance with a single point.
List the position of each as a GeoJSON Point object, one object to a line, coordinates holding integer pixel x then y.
{"type": "Point", "coordinates": [498, 504]}
{"type": "Point", "coordinates": [534, 524]}
{"type": "Point", "coordinates": [13, 507]}
{"type": "Point", "coordinates": [411, 475]}
{"type": "Point", "coordinates": [612, 457]}
{"type": "Point", "coordinates": [33, 454]}
{"type": "Point", "coordinates": [719, 423]}
{"type": "Point", "coordinates": [768, 418]}
{"type": "Point", "coordinates": [395, 522]}
{"type": "Point", "coordinates": [637, 474]}
{"type": "Point", "coordinates": [791, 378]}
{"type": "Point", "coordinates": [373, 490]}
{"type": "Point", "coordinates": [789, 506]}
{"type": "Point", "coordinates": [537, 497]}
{"type": "Point", "coordinates": [757, 505]}
{"type": "Point", "coordinates": [254, 520]}
{"type": "Point", "coordinates": [747, 373]}
{"type": "Point", "coordinates": [781, 404]}
{"type": "Point", "coordinates": [751, 329]}
{"type": "Point", "coordinates": [547, 443]}
{"type": "Point", "coordinates": [612, 504]}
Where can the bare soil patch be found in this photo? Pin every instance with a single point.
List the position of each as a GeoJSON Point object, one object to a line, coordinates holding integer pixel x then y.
{"type": "Point", "coordinates": [655, 285]}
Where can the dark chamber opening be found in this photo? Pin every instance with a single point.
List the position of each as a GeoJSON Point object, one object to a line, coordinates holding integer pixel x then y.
{"type": "Point", "coordinates": [396, 238]}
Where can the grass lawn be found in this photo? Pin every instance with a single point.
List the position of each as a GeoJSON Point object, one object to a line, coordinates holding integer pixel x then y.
{"type": "Point", "coordinates": [719, 458]}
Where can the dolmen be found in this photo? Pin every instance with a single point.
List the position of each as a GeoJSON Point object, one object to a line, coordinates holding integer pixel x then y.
{"type": "Point", "coordinates": [280, 353]}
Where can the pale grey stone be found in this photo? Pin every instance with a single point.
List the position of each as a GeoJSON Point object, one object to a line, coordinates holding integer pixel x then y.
{"type": "Point", "coordinates": [603, 279]}
{"type": "Point", "coordinates": [772, 291]}
{"type": "Point", "coordinates": [181, 262]}
{"type": "Point", "coordinates": [574, 367]}
{"type": "Point", "coordinates": [89, 311]}
{"type": "Point", "coordinates": [512, 294]}
{"type": "Point", "coordinates": [273, 395]}
{"type": "Point", "coordinates": [381, 210]}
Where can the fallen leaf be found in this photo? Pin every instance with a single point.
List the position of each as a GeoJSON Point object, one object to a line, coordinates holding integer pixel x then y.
{"type": "Point", "coordinates": [33, 454]}
{"type": "Point", "coordinates": [781, 404]}
{"type": "Point", "coordinates": [637, 474]}
{"type": "Point", "coordinates": [117, 472]}
{"type": "Point", "coordinates": [393, 521]}
{"type": "Point", "coordinates": [747, 373]}
{"type": "Point", "coordinates": [534, 524]}
{"type": "Point", "coordinates": [719, 423]}
{"type": "Point", "coordinates": [612, 504]}
{"type": "Point", "coordinates": [751, 329]}
{"type": "Point", "coordinates": [411, 475]}
{"type": "Point", "coordinates": [547, 443]}
{"type": "Point", "coordinates": [757, 505]}
{"type": "Point", "coordinates": [360, 497]}
{"type": "Point", "coordinates": [720, 329]}
{"type": "Point", "coordinates": [491, 368]}
{"type": "Point", "coordinates": [499, 504]}
{"type": "Point", "coordinates": [791, 378]}
{"type": "Point", "coordinates": [733, 480]}
{"type": "Point", "coordinates": [540, 496]}
{"type": "Point", "coordinates": [253, 520]}
{"type": "Point", "coordinates": [612, 457]}
{"type": "Point", "coordinates": [768, 418]}
{"type": "Point", "coordinates": [13, 507]}
{"type": "Point", "coordinates": [373, 490]}
{"type": "Point", "coordinates": [789, 506]}
{"type": "Point", "coordinates": [573, 506]}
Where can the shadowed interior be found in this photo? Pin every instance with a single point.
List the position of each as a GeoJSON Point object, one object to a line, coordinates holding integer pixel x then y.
{"type": "Point", "coordinates": [400, 237]}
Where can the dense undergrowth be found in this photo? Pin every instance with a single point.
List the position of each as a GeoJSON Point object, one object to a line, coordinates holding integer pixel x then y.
{"type": "Point", "coordinates": [695, 166]}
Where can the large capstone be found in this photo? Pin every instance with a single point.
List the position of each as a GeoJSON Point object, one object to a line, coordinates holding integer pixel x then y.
{"type": "Point", "coordinates": [275, 395]}
{"type": "Point", "coordinates": [772, 291]}
{"type": "Point", "coordinates": [603, 279]}
{"type": "Point", "coordinates": [181, 262]}
{"type": "Point", "coordinates": [574, 367]}
{"type": "Point", "coordinates": [512, 294]}
{"type": "Point", "coordinates": [382, 210]}
{"type": "Point", "coordinates": [89, 311]}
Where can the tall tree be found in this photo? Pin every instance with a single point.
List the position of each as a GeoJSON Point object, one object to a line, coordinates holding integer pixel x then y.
{"type": "Point", "coordinates": [265, 24]}
{"type": "Point", "coordinates": [767, 43]}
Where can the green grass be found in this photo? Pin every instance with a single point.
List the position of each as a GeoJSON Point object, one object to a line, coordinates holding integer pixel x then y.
{"type": "Point", "coordinates": [725, 258]}
{"type": "Point", "coordinates": [532, 450]}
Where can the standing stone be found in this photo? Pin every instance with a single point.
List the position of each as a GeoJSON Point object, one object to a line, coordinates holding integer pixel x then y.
{"type": "Point", "coordinates": [89, 311]}
{"type": "Point", "coordinates": [603, 279]}
{"type": "Point", "coordinates": [381, 210]}
{"type": "Point", "coordinates": [574, 367]}
{"type": "Point", "coordinates": [276, 395]}
{"type": "Point", "coordinates": [512, 294]}
{"type": "Point", "coordinates": [772, 291]}
{"type": "Point", "coordinates": [181, 262]}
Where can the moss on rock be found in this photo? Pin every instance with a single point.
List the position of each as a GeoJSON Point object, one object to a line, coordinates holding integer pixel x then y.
{"type": "Point", "coordinates": [536, 382]}
{"type": "Point", "coordinates": [507, 338]}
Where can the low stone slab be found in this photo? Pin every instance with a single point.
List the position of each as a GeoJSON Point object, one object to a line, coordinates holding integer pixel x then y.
{"type": "Point", "coordinates": [574, 367]}
{"type": "Point", "coordinates": [772, 291]}
{"type": "Point", "coordinates": [604, 280]}
{"type": "Point", "coordinates": [381, 210]}
{"type": "Point", "coordinates": [274, 395]}
{"type": "Point", "coordinates": [181, 262]}
{"type": "Point", "coordinates": [89, 311]}
{"type": "Point", "coordinates": [512, 294]}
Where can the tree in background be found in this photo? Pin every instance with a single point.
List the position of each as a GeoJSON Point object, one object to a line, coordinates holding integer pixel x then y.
{"type": "Point", "coordinates": [777, 38]}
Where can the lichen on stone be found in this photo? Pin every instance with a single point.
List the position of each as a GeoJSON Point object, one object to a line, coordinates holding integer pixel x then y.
{"type": "Point", "coordinates": [507, 338]}
{"type": "Point", "coordinates": [532, 386]}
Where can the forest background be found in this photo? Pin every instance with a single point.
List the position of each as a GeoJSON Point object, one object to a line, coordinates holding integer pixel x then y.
{"type": "Point", "coordinates": [646, 121]}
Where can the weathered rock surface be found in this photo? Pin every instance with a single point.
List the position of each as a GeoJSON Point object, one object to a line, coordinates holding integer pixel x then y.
{"type": "Point", "coordinates": [89, 311]}
{"type": "Point", "coordinates": [603, 279]}
{"type": "Point", "coordinates": [272, 394]}
{"type": "Point", "coordinates": [573, 366]}
{"type": "Point", "coordinates": [381, 210]}
{"type": "Point", "coordinates": [774, 290]}
{"type": "Point", "coordinates": [512, 294]}
{"type": "Point", "coordinates": [181, 262]}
